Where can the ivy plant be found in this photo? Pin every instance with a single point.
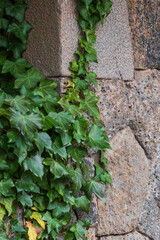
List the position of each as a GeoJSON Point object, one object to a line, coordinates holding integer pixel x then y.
{"type": "Point", "coordinates": [44, 137]}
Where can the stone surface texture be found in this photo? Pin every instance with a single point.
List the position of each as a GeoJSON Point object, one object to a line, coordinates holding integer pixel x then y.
{"type": "Point", "coordinates": [43, 46]}
{"type": "Point", "coordinates": [113, 105]}
{"type": "Point", "coordinates": [149, 222]}
{"type": "Point", "coordinates": [144, 103]}
{"type": "Point", "coordinates": [144, 16]}
{"type": "Point", "coordinates": [129, 168]}
{"type": "Point", "coordinates": [52, 44]}
{"type": "Point", "coordinates": [129, 236]}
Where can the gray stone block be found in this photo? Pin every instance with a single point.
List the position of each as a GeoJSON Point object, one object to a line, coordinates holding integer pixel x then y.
{"type": "Point", "coordinates": [53, 41]}
{"type": "Point", "coordinates": [144, 20]}
{"type": "Point", "coordinates": [129, 169]}
{"type": "Point", "coordinates": [129, 236]}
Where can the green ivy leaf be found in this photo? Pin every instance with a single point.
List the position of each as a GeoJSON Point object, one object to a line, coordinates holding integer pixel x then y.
{"type": "Point", "coordinates": [3, 23]}
{"type": "Point", "coordinates": [76, 177]}
{"type": "Point", "coordinates": [26, 124]}
{"type": "Point", "coordinates": [90, 104]}
{"type": "Point", "coordinates": [3, 41]}
{"type": "Point", "coordinates": [80, 129]}
{"type": "Point", "coordinates": [16, 47]}
{"type": "Point", "coordinates": [77, 153]}
{"type": "Point", "coordinates": [102, 175]}
{"type": "Point", "coordinates": [91, 77]}
{"type": "Point", "coordinates": [58, 148]}
{"type": "Point", "coordinates": [57, 169]}
{"type": "Point", "coordinates": [83, 203]}
{"type": "Point", "coordinates": [58, 208]}
{"type": "Point", "coordinates": [29, 80]}
{"type": "Point", "coordinates": [17, 11]}
{"type": "Point", "coordinates": [97, 138]}
{"type": "Point", "coordinates": [97, 188]}
{"type": "Point", "coordinates": [60, 120]}
{"type": "Point", "coordinates": [34, 164]}
{"type": "Point", "coordinates": [5, 187]}
{"type": "Point", "coordinates": [5, 3]}
{"type": "Point", "coordinates": [16, 68]}
{"type": "Point", "coordinates": [43, 140]}
{"type": "Point", "coordinates": [20, 103]}
{"type": "Point", "coordinates": [20, 31]}
{"type": "Point", "coordinates": [25, 199]}
{"type": "Point", "coordinates": [27, 184]}
{"type": "Point", "coordinates": [79, 230]}
{"type": "Point", "coordinates": [7, 203]}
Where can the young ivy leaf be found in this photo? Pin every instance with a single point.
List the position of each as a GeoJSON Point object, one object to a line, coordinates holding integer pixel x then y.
{"type": "Point", "coordinates": [80, 129]}
{"type": "Point", "coordinates": [79, 230]}
{"type": "Point", "coordinates": [90, 104]}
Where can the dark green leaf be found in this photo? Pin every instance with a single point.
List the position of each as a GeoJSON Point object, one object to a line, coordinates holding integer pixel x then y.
{"type": "Point", "coordinates": [26, 124]}
{"type": "Point", "coordinates": [58, 148]}
{"type": "Point", "coordinates": [97, 138]}
{"type": "Point", "coordinates": [43, 140]}
{"type": "Point", "coordinates": [29, 80]}
{"type": "Point", "coordinates": [77, 153]}
{"type": "Point", "coordinates": [17, 11]}
{"type": "Point", "coordinates": [25, 199]}
{"type": "Point", "coordinates": [83, 203]}
{"type": "Point", "coordinates": [20, 31]}
{"type": "Point", "coordinates": [90, 104]}
{"type": "Point", "coordinates": [34, 164]}
{"type": "Point", "coordinates": [97, 188]}
{"type": "Point", "coordinates": [15, 68]}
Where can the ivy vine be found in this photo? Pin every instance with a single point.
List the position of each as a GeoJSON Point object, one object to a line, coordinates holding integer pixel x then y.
{"type": "Point", "coordinates": [44, 137]}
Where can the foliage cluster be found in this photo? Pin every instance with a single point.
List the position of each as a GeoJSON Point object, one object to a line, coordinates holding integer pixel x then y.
{"type": "Point", "coordinates": [44, 137]}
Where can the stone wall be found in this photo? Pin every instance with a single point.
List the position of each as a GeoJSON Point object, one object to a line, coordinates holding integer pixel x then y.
{"type": "Point", "coordinates": [129, 90]}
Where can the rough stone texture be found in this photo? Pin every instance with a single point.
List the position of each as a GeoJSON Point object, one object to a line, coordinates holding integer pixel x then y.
{"type": "Point", "coordinates": [149, 223]}
{"type": "Point", "coordinates": [43, 46]}
{"type": "Point", "coordinates": [113, 105]}
{"type": "Point", "coordinates": [52, 44]}
{"type": "Point", "coordinates": [129, 168]}
{"type": "Point", "coordinates": [145, 26]}
{"type": "Point", "coordinates": [144, 103]}
{"type": "Point", "coordinates": [129, 236]}
{"type": "Point", "coordinates": [92, 234]}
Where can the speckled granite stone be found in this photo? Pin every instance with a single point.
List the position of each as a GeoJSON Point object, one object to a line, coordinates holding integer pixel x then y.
{"type": "Point", "coordinates": [144, 16]}
{"type": "Point", "coordinates": [129, 236]}
{"type": "Point", "coordinates": [144, 103]}
{"type": "Point", "coordinates": [129, 169]}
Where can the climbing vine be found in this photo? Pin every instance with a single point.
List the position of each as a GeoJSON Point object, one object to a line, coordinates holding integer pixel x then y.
{"type": "Point", "coordinates": [44, 137]}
